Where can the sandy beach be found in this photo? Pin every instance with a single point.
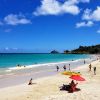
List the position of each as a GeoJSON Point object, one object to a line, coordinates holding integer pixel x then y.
{"type": "Point", "coordinates": [47, 88]}
{"type": "Point", "coordinates": [49, 49]}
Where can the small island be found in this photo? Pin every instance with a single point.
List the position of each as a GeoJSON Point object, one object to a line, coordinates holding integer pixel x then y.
{"type": "Point", "coordinates": [54, 52]}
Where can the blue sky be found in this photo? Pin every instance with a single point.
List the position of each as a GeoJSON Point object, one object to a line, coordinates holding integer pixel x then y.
{"type": "Point", "coordinates": [44, 25]}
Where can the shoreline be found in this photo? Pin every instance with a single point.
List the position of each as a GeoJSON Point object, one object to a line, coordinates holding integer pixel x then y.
{"type": "Point", "coordinates": [9, 69]}
{"type": "Point", "coordinates": [22, 76]}
{"type": "Point", "coordinates": [40, 87]}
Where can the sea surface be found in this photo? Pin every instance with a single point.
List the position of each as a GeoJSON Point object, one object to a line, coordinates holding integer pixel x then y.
{"type": "Point", "coordinates": [12, 60]}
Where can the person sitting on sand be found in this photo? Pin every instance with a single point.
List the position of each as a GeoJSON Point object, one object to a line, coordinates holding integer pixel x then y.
{"type": "Point", "coordinates": [72, 86]}
{"type": "Point", "coordinates": [30, 82]}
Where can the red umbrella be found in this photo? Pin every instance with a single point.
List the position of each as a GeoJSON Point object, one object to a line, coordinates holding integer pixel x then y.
{"type": "Point", "coordinates": [77, 78]}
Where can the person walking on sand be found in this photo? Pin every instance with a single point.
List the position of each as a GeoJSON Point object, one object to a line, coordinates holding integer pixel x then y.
{"type": "Point", "coordinates": [90, 66]}
{"type": "Point", "coordinates": [94, 70]}
{"type": "Point", "coordinates": [84, 62]}
{"type": "Point", "coordinates": [64, 67]}
{"type": "Point", "coordinates": [57, 68]}
{"type": "Point", "coordinates": [69, 67]}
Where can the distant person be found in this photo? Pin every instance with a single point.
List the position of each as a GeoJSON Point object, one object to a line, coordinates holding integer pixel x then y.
{"type": "Point", "coordinates": [94, 70]}
{"type": "Point", "coordinates": [30, 82]}
{"type": "Point", "coordinates": [18, 65]}
{"type": "Point", "coordinates": [90, 66]}
{"type": "Point", "coordinates": [57, 68]}
{"type": "Point", "coordinates": [84, 62]}
{"type": "Point", "coordinates": [64, 67]}
{"type": "Point", "coordinates": [69, 67]}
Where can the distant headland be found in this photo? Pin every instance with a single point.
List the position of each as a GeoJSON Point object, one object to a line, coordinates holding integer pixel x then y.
{"type": "Point", "coordinates": [94, 49]}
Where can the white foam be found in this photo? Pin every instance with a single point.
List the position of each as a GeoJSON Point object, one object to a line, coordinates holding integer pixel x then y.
{"type": "Point", "coordinates": [45, 64]}
{"type": "Point", "coordinates": [8, 70]}
{"type": "Point", "coordinates": [38, 65]}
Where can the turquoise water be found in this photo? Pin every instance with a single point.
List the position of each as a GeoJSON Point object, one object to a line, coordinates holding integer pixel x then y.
{"type": "Point", "coordinates": [11, 60]}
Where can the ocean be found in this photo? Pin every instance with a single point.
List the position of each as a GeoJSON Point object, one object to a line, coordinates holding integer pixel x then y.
{"type": "Point", "coordinates": [12, 60]}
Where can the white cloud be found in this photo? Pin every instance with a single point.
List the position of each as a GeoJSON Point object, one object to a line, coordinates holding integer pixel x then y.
{"type": "Point", "coordinates": [86, 15]}
{"type": "Point", "coordinates": [70, 8]}
{"type": "Point", "coordinates": [6, 48]}
{"type": "Point", "coordinates": [12, 19]}
{"type": "Point", "coordinates": [98, 31]}
{"type": "Point", "coordinates": [84, 24]}
{"type": "Point", "coordinates": [49, 7]}
{"type": "Point", "coordinates": [92, 15]}
{"type": "Point", "coordinates": [54, 7]}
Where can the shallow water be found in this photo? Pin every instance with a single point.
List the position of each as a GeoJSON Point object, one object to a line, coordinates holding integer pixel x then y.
{"type": "Point", "coordinates": [8, 62]}
{"type": "Point", "coordinates": [11, 60]}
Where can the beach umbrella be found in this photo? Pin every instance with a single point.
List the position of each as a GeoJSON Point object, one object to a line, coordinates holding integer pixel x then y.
{"type": "Point", "coordinates": [77, 78]}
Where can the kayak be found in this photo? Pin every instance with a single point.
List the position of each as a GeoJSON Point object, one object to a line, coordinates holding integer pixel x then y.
{"type": "Point", "coordinates": [70, 73]}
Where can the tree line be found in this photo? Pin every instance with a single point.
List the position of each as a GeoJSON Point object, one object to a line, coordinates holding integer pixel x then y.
{"type": "Point", "coordinates": [94, 49]}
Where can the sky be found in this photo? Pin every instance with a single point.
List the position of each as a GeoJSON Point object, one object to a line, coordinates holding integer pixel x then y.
{"type": "Point", "coordinates": [45, 25]}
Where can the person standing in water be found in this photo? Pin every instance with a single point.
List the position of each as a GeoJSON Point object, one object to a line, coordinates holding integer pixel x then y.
{"type": "Point", "coordinates": [64, 67]}
{"type": "Point", "coordinates": [69, 67]}
{"type": "Point", "coordinates": [57, 68]}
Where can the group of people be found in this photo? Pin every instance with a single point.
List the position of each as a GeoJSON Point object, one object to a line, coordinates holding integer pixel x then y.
{"type": "Point", "coordinates": [64, 67]}
{"type": "Point", "coordinates": [90, 69]}
{"type": "Point", "coordinates": [71, 87]}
